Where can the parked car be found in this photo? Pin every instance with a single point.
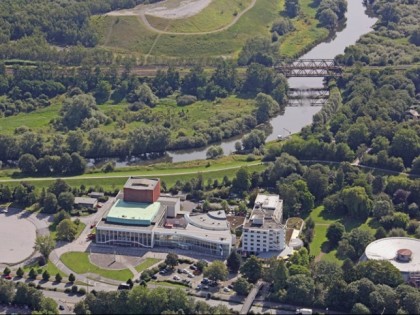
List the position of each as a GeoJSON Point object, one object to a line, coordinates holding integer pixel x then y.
{"type": "Point", "coordinates": [230, 286]}
{"type": "Point", "coordinates": [226, 289]}
{"type": "Point", "coordinates": [4, 210]}
{"type": "Point", "coordinates": [177, 278]}
{"type": "Point", "coordinates": [8, 277]}
{"type": "Point", "coordinates": [154, 277]}
{"type": "Point", "coordinates": [205, 281]}
{"type": "Point", "coordinates": [213, 283]}
{"type": "Point", "coordinates": [61, 308]}
{"type": "Point", "coordinates": [190, 275]}
{"type": "Point", "coordinates": [192, 267]}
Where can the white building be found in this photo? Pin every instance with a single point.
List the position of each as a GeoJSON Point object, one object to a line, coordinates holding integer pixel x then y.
{"type": "Point", "coordinates": [402, 252]}
{"type": "Point", "coordinates": [263, 231]}
{"type": "Point", "coordinates": [161, 223]}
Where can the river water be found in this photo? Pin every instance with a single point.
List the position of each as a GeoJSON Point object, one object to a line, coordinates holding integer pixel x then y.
{"type": "Point", "coordinates": [294, 118]}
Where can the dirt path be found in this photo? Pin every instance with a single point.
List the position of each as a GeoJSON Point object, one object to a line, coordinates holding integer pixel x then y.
{"type": "Point", "coordinates": [143, 18]}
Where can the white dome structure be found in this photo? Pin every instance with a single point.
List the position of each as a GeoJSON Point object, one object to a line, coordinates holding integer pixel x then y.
{"type": "Point", "coordinates": [402, 252]}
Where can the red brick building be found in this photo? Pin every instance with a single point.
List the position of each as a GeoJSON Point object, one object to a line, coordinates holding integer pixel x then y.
{"type": "Point", "coordinates": [138, 189]}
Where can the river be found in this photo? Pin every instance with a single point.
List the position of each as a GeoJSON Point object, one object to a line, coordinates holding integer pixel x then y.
{"type": "Point", "coordinates": [294, 118]}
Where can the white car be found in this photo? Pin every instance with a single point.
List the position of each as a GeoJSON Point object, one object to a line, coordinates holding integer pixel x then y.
{"type": "Point", "coordinates": [4, 210]}
{"type": "Point", "coordinates": [226, 289]}
{"type": "Point", "coordinates": [177, 278]}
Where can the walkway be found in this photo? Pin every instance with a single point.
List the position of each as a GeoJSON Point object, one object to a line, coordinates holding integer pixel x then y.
{"type": "Point", "coordinates": [251, 297]}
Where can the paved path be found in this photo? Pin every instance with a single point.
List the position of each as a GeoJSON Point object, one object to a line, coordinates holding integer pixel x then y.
{"type": "Point", "coordinates": [251, 297]}
{"type": "Point", "coordinates": [142, 17]}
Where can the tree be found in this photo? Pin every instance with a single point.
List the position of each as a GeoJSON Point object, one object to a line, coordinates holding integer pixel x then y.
{"type": "Point", "coordinates": [102, 92]}
{"type": "Point", "coordinates": [72, 278]}
{"type": "Point", "coordinates": [171, 260]}
{"type": "Point", "coordinates": [300, 289]}
{"type": "Point", "coordinates": [20, 272]}
{"type": "Point", "coordinates": [327, 272]}
{"type": "Point", "coordinates": [58, 277]}
{"type": "Point", "coordinates": [50, 203]}
{"type": "Point", "coordinates": [46, 275]}
{"type": "Point", "coordinates": [266, 107]}
{"type": "Point", "coordinates": [48, 306]}
{"type": "Point", "coordinates": [276, 274]}
{"type": "Point", "coordinates": [32, 274]}
{"type": "Point", "coordinates": [66, 230]}
{"type": "Point", "coordinates": [252, 269]}
{"type": "Point", "coordinates": [27, 164]}
{"type": "Point", "coordinates": [66, 201]}
{"type": "Point", "coordinates": [234, 262]}
{"type": "Point", "coordinates": [214, 152]}
{"type": "Point", "coordinates": [328, 18]}
{"type": "Point", "coordinates": [380, 233]}
{"type": "Point", "coordinates": [76, 109]}
{"type": "Point", "coordinates": [45, 245]}
{"type": "Point", "coordinates": [359, 239]}
{"type": "Point", "coordinates": [254, 139]}
{"type": "Point", "coordinates": [360, 308]}
{"type": "Point", "coordinates": [242, 181]}
{"type": "Point", "coordinates": [382, 208]}
{"type": "Point", "coordinates": [380, 272]}
{"type": "Point", "coordinates": [217, 270]}
{"type": "Point", "coordinates": [357, 202]}
{"type": "Point", "coordinates": [406, 144]}
{"type": "Point", "coordinates": [335, 232]}
{"type": "Point", "coordinates": [241, 286]}
{"type": "Point", "coordinates": [292, 8]}
{"type": "Point", "coordinates": [7, 292]}
{"type": "Point", "coordinates": [201, 265]}
{"type": "Point", "coordinates": [6, 271]}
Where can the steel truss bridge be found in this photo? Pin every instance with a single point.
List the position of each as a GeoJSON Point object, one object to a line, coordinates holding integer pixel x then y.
{"type": "Point", "coordinates": [309, 68]}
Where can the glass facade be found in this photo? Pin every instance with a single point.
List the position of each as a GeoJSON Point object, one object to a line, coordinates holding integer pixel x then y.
{"type": "Point", "coordinates": [134, 239]}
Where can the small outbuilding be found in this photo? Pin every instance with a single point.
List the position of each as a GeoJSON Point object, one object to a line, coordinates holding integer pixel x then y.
{"type": "Point", "coordinates": [85, 202]}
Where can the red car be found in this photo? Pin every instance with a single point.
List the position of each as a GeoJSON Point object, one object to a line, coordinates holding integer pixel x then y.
{"type": "Point", "coordinates": [8, 277]}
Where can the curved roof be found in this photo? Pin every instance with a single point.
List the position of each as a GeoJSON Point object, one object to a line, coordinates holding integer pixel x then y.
{"type": "Point", "coordinates": [387, 248]}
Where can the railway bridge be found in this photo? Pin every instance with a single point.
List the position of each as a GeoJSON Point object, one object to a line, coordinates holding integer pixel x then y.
{"type": "Point", "coordinates": [309, 68]}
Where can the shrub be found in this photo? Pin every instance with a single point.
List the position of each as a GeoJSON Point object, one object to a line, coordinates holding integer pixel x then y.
{"type": "Point", "coordinates": [82, 291]}
{"type": "Point", "coordinates": [184, 100]}
{"type": "Point", "coordinates": [74, 289]}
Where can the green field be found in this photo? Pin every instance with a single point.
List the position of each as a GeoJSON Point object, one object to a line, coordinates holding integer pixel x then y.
{"type": "Point", "coordinates": [147, 263]}
{"type": "Point", "coordinates": [181, 118]}
{"type": "Point", "coordinates": [79, 263]}
{"type": "Point", "coordinates": [217, 14]}
{"type": "Point", "coordinates": [129, 34]}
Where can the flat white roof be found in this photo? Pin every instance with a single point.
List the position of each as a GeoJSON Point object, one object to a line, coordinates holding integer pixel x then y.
{"type": "Point", "coordinates": [267, 201]}
{"type": "Point", "coordinates": [386, 249]}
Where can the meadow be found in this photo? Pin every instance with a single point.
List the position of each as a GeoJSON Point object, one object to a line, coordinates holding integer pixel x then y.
{"type": "Point", "coordinates": [218, 14]}
{"type": "Point", "coordinates": [128, 34]}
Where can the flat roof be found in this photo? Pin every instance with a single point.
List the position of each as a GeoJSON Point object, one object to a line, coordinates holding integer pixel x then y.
{"type": "Point", "coordinates": [141, 183]}
{"type": "Point", "coordinates": [133, 213]}
{"type": "Point", "coordinates": [386, 249]}
{"type": "Point", "coordinates": [267, 201]}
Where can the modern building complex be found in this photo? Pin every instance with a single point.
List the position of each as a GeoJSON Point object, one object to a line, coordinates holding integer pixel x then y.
{"type": "Point", "coordinates": [263, 231]}
{"type": "Point", "coordinates": [140, 217]}
{"type": "Point", "coordinates": [402, 252]}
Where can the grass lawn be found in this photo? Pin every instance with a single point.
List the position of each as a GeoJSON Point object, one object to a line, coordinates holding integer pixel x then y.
{"type": "Point", "coordinates": [216, 15]}
{"type": "Point", "coordinates": [217, 170]}
{"type": "Point", "coordinates": [147, 263]}
{"type": "Point", "coordinates": [49, 266]}
{"type": "Point", "coordinates": [53, 232]}
{"type": "Point", "coordinates": [322, 219]}
{"type": "Point", "coordinates": [79, 263]}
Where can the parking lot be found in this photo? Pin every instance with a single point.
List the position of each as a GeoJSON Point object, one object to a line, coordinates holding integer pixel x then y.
{"type": "Point", "coordinates": [185, 273]}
